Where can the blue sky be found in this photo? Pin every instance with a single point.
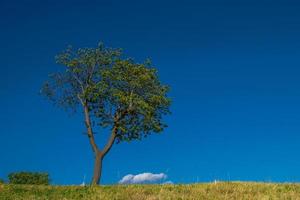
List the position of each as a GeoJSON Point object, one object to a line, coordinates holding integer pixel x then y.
{"type": "Point", "coordinates": [233, 67]}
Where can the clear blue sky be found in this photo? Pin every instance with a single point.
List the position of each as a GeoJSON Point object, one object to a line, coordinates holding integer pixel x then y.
{"type": "Point", "coordinates": [233, 66]}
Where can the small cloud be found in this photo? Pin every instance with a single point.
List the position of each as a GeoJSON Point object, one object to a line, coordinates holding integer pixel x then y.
{"type": "Point", "coordinates": [142, 178]}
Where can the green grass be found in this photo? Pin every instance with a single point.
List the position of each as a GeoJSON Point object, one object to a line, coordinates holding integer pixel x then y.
{"type": "Point", "coordinates": [222, 191]}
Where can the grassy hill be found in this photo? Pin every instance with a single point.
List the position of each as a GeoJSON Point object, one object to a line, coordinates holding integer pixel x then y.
{"type": "Point", "coordinates": [222, 191]}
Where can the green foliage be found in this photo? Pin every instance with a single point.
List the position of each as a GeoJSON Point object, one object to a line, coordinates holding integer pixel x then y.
{"type": "Point", "coordinates": [218, 191]}
{"type": "Point", "coordinates": [120, 93]}
{"type": "Point", "coordinates": [2, 181]}
{"type": "Point", "coordinates": [138, 97]}
{"type": "Point", "coordinates": [31, 178]}
{"type": "Point", "coordinates": [76, 83]}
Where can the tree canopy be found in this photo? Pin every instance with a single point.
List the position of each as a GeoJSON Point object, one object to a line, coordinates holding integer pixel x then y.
{"type": "Point", "coordinates": [113, 91]}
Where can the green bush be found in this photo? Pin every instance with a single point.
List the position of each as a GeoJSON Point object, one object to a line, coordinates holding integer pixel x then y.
{"type": "Point", "coordinates": [1, 181]}
{"type": "Point", "coordinates": [32, 178]}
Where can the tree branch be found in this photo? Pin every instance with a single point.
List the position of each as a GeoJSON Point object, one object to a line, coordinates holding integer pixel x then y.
{"type": "Point", "coordinates": [79, 98]}
{"type": "Point", "coordinates": [78, 81]}
{"type": "Point", "coordinates": [89, 129]}
{"type": "Point", "coordinates": [113, 133]}
{"type": "Point", "coordinates": [110, 141]}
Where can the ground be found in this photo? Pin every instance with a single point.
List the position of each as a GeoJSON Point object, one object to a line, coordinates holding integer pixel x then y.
{"type": "Point", "coordinates": [214, 191]}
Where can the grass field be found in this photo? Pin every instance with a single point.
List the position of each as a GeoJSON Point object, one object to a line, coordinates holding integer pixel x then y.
{"type": "Point", "coordinates": [215, 191]}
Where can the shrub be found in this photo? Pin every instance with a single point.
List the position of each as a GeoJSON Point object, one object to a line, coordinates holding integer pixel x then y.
{"type": "Point", "coordinates": [32, 178]}
{"type": "Point", "coordinates": [2, 181]}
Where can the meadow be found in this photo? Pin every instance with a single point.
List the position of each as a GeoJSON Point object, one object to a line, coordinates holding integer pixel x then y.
{"type": "Point", "coordinates": [215, 191]}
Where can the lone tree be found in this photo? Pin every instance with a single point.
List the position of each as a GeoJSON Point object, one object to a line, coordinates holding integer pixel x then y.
{"type": "Point", "coordinates": [112, 92]}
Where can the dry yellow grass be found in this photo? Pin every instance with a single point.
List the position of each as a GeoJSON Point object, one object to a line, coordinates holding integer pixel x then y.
{"type": "Point", "coordinates": [218, 191]}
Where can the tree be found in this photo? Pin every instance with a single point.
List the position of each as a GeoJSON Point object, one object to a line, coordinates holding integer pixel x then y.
{"type": "Point", "coordinates": [112, 92]}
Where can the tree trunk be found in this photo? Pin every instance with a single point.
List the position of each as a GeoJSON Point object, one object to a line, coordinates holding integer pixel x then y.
{"type": "Point", "coordinates": [97, 169]}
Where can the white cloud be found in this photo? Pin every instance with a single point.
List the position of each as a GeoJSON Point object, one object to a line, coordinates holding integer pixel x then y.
{"type": "Point", "coordinates": [142, 178]}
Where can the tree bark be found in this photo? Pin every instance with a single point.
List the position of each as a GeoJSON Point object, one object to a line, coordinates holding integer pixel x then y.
{"type": "Point", "coordinates": [100, 154]}
{"type": "Point", "coordinates": [97, 168]}
{"type": "Point", "coordinates": [89, 129]}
